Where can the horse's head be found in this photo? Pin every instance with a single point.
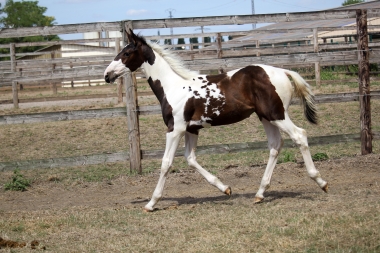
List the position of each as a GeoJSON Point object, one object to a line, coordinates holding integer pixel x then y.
{"type": "Point", "coordinates": [130, 58]}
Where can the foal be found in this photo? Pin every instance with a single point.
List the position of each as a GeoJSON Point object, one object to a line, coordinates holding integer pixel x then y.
{"type": "Point", "coordinates": [190, 102]}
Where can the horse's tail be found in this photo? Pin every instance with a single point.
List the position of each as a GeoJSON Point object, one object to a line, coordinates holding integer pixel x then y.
{"type": "Point", "coordinates": [303, 91]}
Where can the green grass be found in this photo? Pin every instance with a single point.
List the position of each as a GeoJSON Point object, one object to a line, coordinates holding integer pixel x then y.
{"type": "Point", "coordinates": [17, 183]}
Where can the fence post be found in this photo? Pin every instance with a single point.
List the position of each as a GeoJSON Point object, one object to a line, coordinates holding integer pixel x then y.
{"type": "Point", "coordinates": [132, 116]}
{"type": "Point", "coordinates": [257, 46]}
{"type": "Point", "coordinates": [317, 64]}
{"type": "Point", "coordinates": [12, 51]}
{"type": "Point", "coordinates": [364, 86]}
{"type": "Point", "coordinates": [119, 82]}
{"type": "Point", "coordinates": [219, 45]}
{"type": "Point", "coordinates": [15, 94]}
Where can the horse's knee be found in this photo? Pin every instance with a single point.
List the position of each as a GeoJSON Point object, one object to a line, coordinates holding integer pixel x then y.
{"type": "Point", "coordinates": [165, 166]}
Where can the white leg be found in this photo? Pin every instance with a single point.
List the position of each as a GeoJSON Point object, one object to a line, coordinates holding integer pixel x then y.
{"type": "Point", "coordinates": [274, 144]}
{"type": "Point", "coordinates": [172, 141]}
{"type": "Point", "coordinates": [298, 135]}
{"type": "Point", "coordinates": [191, 143]}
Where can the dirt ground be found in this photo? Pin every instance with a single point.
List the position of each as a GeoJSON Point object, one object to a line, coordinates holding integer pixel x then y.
{"type": "Point", "coordinates": [350, 179]}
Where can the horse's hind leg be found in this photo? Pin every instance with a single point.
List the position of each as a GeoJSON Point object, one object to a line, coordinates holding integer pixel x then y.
{"type": "Point", "coordinates": [274, 144]}
{"type": "Point", "coordinates": [298, 135]}
{"type": "Point", "coordinates": [191, 143]}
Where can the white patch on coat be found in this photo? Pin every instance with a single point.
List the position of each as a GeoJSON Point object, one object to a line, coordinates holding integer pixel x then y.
{"type": "Point", "coordinates": [202, 122]}
{"type": "Point", "coordinates": [207, 91]}
{"type": "Point", "coordinates": [117, 67]}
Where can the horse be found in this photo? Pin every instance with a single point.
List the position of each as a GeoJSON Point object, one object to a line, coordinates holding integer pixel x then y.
{"type": "Point", "coordinates": [190, 101]}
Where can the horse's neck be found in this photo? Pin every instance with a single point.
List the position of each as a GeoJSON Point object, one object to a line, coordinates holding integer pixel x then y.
{"type": "Point", "coordinates": [161, 71]}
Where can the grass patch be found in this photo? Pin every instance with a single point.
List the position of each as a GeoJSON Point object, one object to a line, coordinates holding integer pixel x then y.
{"type": "Point", "coordinates": [320, 157]}
{"type": "Point", "coordinates": [18, 182]}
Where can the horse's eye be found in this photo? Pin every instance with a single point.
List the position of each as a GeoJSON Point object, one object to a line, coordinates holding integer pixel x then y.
{"type": "Point", "coordinates": [126, 54]}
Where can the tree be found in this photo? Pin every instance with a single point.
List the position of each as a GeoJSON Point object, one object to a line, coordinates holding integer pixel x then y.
{"type": "Point", "coordinates": [349, 2]}
{"type": "Point", "coordinates": [24, 14]}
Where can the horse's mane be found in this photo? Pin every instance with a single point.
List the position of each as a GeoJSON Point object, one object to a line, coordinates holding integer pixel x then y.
{"type": "Point", "coordinates": [173, 60]}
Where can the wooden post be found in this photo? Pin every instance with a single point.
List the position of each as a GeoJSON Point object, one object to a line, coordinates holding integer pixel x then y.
{"type": "Point", "coordinates": [257, 46]}
{"type": "Point", "coordinates": [317, 66]}
{"type": "Point", "coordinates": [364, 87]}
{"type": "Point", "coordinates": [133, 125]}
{"type": "Point", "coordinates": [15, 94]}
{"type": "Point", "coordinates": [53, 84]}
{"type": "Point", "coordinates": [132, 116]}
{"type": "Point", "coordinates": [119, 82]}
{"type": "Point", "coordinates": [12, 51]}
{"type": "Point", "coordinates": [219, 45]}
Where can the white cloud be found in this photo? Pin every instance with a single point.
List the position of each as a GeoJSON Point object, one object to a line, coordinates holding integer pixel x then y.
{"type": "Point", "coordinates": [133, 12]}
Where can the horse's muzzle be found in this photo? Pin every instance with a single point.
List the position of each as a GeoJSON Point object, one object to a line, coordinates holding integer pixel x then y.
{"type": "Point", "coordinates": [107, 78]}
{"type": "Point", "coordinates": [110, 77]}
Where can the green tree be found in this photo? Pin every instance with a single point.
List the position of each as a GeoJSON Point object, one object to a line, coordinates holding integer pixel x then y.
{"type": "Point", "coordinates": [24, 14]}
{"type": "Point", "coordinates": [349, 2]}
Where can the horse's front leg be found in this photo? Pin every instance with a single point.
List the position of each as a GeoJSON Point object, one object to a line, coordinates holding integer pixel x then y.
{"type": "Point", "coordinates": [191, 143]}
{"type": "Point", "coordinates": [172, 141]}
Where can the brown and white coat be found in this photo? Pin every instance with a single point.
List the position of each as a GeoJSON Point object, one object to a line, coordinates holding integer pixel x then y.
{"type": "Point", "coordinates": [190, 102]}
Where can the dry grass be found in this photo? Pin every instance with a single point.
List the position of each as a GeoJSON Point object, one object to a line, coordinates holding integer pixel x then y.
{"type": "Point", "coordinates": [82, 137]}
{"type": "Point", "coordinates": [211, 227]}
{"type": "Point", "coordinates": [296, 217]}
{"type": "Point", "coordinates": [74, 209]}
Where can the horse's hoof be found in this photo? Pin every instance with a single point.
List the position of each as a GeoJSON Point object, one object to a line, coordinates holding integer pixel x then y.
{"type": "Point", "coordinates": [325, 188]}
{"type": "Point", "coordinates": [228, 191]}
{"type": "Point", "coordinates": [147, 210]}
{"type": "Point", "coordinates": [258, 200]}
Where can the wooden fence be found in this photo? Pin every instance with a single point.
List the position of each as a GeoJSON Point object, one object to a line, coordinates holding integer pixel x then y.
{"type": "Point", "coordinates": [16, 71]}
{"type": "Point", "coordinates": [151, 154]}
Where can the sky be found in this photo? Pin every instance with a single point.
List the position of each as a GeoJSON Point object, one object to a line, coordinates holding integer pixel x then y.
{"type": "Point", "coordinates": [89, 11]}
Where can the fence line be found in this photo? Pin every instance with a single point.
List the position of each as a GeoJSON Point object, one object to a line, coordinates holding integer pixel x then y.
{"type": "Point", "coordinates": [123, 156]}
{"type": "Point", "coordinates": [145, 110]}
{"type": "Point", "coordinates": [216, 58]}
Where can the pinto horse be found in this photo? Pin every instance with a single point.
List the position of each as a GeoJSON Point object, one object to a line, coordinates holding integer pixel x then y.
{"type": "Point", "coordinates": [190, 102]}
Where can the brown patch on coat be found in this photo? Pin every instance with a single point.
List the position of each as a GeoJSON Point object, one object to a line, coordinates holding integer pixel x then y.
{"type": "Point", "coordinates": [248, 90]}
{"type": "Point", "coordinates": [166, 108]}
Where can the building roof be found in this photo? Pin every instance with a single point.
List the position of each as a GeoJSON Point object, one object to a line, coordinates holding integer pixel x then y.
{"type": "Point", "coordinates": [304, 35]}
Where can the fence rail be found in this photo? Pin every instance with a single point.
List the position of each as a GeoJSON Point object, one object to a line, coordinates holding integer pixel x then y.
{"type": "Point", "coordinates": [144, 110]}
{"type": "Point", "coordinates": [123, 156]}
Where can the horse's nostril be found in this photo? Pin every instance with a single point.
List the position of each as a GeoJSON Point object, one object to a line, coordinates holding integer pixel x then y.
{"type": "Point", "coordinates": [107, 79]}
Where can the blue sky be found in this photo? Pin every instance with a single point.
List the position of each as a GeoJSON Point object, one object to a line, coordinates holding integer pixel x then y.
{"type": "Point", "coordinates": [88, 11]}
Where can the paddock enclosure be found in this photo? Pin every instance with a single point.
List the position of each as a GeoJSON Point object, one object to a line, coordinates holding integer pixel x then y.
{"type": "Point", "coordinates": [94, 160]}
{"type": "Point", "coordinates": [293, 47]}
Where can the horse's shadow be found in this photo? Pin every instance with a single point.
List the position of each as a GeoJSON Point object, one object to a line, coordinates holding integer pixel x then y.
{"type": "Point", "coordinates": [270, 196]}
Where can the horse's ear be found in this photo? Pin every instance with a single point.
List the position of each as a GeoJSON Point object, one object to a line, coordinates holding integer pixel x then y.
{"type": "Point", "coordinates": [131, 37]}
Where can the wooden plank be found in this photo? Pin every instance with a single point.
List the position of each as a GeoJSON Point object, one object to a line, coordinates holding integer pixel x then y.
{"type": "Point", "coordinates": [183, 22]}
{"type": "Point", "coordinates": [157, 154]}
{"type": "Point", "coordinates": [247, 19]}
{"type": "Point", "coordinates": [364, 86]}
{"type": "Point", "coordinates": [144, 110]}
{"type": "Point", "coordinates": [310, 58]}
{"type": "Point", "coordinates": [65, 161]}
{"type": "Point", "coordinates": [59, 29]}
